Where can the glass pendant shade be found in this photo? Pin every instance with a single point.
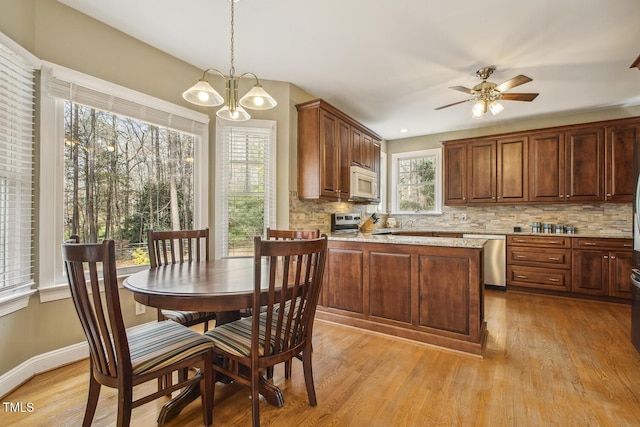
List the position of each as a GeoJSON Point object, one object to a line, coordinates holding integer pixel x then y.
{"type": "Point", "coordinates": [258, 99]}
{"type": "Point", "coordinates": [239, 115]}
{"type": "Point", "coordinates": [478, 109]}
{"type": "Point", "coordinates": [495, 107]}
{"type": "Point", "coordinates": [203, 94]}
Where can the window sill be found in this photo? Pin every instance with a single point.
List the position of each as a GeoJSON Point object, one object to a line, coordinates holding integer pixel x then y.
{"type": "Point", "coordinates": [15, 300]}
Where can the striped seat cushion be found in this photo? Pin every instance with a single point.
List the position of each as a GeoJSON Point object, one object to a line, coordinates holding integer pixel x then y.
{"type": "Point", "coordinates": [235, 337]}
{"type": "Point", "coordinates": [184, 317]}
{"type": "Point", "coordinates": [156, 345]}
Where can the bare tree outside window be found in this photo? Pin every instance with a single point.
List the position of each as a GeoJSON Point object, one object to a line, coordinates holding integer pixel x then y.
{"type": "Point", "coordinates": [123, 177]}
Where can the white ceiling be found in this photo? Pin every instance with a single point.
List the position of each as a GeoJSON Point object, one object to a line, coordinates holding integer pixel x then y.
{"type": "Point", "coordinates": [389, 63]}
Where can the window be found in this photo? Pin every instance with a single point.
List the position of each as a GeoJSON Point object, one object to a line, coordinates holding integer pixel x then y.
{"type": "Point", "coordinates": [118, 163]}
{"type": "Point", "coordinates": [16, 175]}
{"type": "Point", "coordinates": [245, 178]}
{"type": "Point", "coordinates": [416, 182]}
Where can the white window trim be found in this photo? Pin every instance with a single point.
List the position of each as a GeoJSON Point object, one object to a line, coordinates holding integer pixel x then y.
{"type": "Point", "coordinates": [51, 283]}
{"type": "Point", "coordinates": [17, 298]}
{"type": "Point", "coordinates": [220, 123]}
{"type": "Point", "coordinates": [395, 157]}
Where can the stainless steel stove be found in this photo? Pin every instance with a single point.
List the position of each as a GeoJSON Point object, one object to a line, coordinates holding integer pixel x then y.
{"type": "Point", "coordinates": [345, 222]}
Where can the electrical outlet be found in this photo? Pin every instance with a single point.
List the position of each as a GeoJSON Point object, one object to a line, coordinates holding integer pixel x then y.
{"type": "Point", "coordinates": [463, 216]}
{"type": "Point", "coordinates": [140, 308]}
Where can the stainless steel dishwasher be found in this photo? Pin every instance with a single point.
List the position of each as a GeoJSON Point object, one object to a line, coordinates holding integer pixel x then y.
{"type": "Point", "coordinates": [495, 258]}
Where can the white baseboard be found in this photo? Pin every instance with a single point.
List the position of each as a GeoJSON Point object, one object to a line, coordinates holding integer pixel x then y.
{"type": "Point", "coordinates": [41, 363]}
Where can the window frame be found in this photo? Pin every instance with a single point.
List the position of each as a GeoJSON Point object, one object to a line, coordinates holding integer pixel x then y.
{"type": "Point", "coordinates": [51, 281]}
{"type": "Point", "coordinates": [219, 195]}
{"type": "Point", "coordinates": [395, 170]}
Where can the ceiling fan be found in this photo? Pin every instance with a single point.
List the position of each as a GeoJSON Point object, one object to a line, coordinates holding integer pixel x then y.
{"type": "Point", "coordinates": [487, 94]}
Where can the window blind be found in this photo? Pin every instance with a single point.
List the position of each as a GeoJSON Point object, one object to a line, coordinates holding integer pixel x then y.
{"type": "Point", "coordinates": [247, 173]}
{"type": "Point", "coordinates": [16, 169]}
{"type": "Point", "coordinates": [80, 94]}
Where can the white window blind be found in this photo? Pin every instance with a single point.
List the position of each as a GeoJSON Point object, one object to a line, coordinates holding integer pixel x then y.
{"type": "Point", "coordinates": [79, 94]}
{"type": "Point", "coordinates": [16, 170]}
{"type": "Point", "coordinates": [246, 184]}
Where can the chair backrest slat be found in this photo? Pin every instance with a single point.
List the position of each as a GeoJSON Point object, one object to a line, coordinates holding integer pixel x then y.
{"type": "Point", "coordinates": [101, 321]}
{"type": "Point", "coordinates": [173, 247]}
{"type": "Point", "coordinates": [293, 276]}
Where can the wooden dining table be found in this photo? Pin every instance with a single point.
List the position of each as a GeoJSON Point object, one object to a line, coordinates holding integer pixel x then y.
{"type": "Point", "coordinates": [225, 286]}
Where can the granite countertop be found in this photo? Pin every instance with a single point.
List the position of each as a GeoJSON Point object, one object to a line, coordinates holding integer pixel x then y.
{"type": "Point", "coordinates": [510, 232]}
{"type": "Point", "coordinates": [407, 240]}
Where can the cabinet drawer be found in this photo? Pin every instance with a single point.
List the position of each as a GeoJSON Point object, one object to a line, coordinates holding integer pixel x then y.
{"type": "Point", "coordinates": [540, 241]}
{"type": "Point", "coordinates": [540, 278]}
{"type": "Point", "coordinates": [552, 258]}
{"type": "Point", "coordinates": [596, 243]}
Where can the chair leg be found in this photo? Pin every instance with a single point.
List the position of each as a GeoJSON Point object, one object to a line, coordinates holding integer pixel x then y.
{"type": "Point", "coordinates": [270, 372]}
{"type": "Point", "coordinates": [255, 398]}
{"type": "Point", "coordinates": [207, 390]}
{"type": "Point", "coordinates": [287, 369]}
{"type": "Point", "coordinates": [308, 376]}
{"type": "Point", "coordinates": [92, 400]}
{"type": "Point", "coordinates": [125, 405]}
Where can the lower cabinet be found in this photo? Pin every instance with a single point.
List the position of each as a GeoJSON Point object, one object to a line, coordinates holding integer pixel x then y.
{"type": "Point", "coordinates": [539, 262]}
{"type": "Point", "coordinates": [604, 270]}
{"type": "Point", "coordinates": [432, 294]}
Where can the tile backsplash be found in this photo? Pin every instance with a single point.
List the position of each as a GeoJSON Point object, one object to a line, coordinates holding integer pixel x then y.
{"type": "Point", "coordinates": [608, 218]}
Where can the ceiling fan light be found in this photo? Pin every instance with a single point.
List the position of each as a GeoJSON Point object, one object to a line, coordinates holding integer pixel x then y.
{"type": "Point", "coordinates": [258, 99]}
{"type": "Point", "coordinates": [203, 94]}
{"type": "Point", "coordinates": [495, 107]}
{"type": "Point", "coordinates": [478, 109]}
{"type": "Point", "coordinates": [238, 115]}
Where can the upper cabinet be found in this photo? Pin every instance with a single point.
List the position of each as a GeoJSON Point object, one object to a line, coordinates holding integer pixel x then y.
{"type": "Point", "coordinates": [329, 142]}
{"type": "Point", "coordinates": [582, 163]}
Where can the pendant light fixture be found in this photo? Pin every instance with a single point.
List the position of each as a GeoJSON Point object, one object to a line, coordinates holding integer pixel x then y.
{"type": "Point", "coordinates": [203, 94]}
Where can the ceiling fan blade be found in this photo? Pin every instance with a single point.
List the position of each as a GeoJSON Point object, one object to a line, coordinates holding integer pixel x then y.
{"type": "Point", "coordinates": [519, 96]}
{"type": "Point", "coordinates": [462, 89]}
{"type": "Point", "coordinates": [455, 103]}
{"type": "Point", "coordinates": [516, 81]}
{"type": "Point", "coordinates": [636, 63]}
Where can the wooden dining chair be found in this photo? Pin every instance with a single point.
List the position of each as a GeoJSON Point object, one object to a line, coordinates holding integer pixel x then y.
{"type": "Point", "coordinates": [281, 234]}
{"type": "Point", "coordinates": [124, 358]}
{"type": "Point", "coordinates": [178, 246]}
{"type": "Point", "coordinates": [289, 288]}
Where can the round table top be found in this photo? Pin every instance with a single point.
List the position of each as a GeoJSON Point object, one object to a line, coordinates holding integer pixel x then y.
{"type": "Point", "coordinates": [218, 285]}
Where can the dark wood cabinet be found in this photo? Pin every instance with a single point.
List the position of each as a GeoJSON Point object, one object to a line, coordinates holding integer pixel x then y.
{"type": "Point", "coordinates": [602, 267]}
{"type": "Point", "coordinates": [539, 262]}
{"type": "Point", "coordinates": [432, 294]}
{"type": "Point", "coordinates": [329, 142]}
{"type": "Point", "coordinates": [619, 179]}
{"type": "Point", "coordinates": [455, 174]}
{"type": "Point", "coordinates": [585, 163]}
{"type": "Point", "coordinates": [546, 167]}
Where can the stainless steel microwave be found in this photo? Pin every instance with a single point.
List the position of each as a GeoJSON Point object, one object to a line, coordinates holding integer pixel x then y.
{"type": "Point", "coordinates": [364, 184]}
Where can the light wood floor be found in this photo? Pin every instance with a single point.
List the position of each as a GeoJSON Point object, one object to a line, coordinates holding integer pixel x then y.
{"type": "Point", "coordinates": [549, 362]}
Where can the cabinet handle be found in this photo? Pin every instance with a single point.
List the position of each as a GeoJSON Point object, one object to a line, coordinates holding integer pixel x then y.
{"type": "Point", "coordinates": [567, 196]}
{"type": "Point", "coordinates": [608, 195]}
{"type": "Point", "coordinates": [521, 256]}
{"type": "Point", "coordinates": [520, 277]}
{"type": "Point", "coordinates": [554, 259]}
{"type": "Point", "coordinates": [613, 257]}
{"type": "Point", "coordinates": [589, 244]}
{"type": "Point", "coordinates": [555, 242]}
{"type": "Point", "coordinates": [627, 245]}
{"type": "Point", "coordinates": [554, 280]}
{"type": "Point", "coordinates": [605, 257]}
{"type": "Point", "coordinates": [519, 240]}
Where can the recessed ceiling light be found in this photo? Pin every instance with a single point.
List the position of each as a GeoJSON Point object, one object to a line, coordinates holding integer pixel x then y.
{"type": "Point", "coordinates": [404, 130]}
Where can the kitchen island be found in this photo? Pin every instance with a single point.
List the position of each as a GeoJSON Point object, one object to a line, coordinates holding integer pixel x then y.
{"type": "Point", "coordinates": [427, 289]}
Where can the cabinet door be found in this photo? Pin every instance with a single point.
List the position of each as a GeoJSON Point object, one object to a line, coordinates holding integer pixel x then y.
{"type": "Point", "coordinates": [590, 272]}
{"type": "Point", "coordinates": [481, 167]}
{"type": "Point", "coordinates": [455, 174]}
{"type": "Point", "coordinates": [344, 163]}
{"type": "Point", "coordinates": [619, 162]}
{"type": "Point", "coordinates": [367, 151]}
{"type": "Point", "coordinates": [620, 264]}
{"type": "Point", "coordinates": [584, 169]}
{"type": "Point", "coordinates": [329, 155]}
{"type": "Point", "coordinates": [356, 146]}
{"type": "Point", "coordinates": [344, 279]}
{"type": "Point", "coordinates": [512, 170]}
{"type": "Point", "coordinates": [546, 167]}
